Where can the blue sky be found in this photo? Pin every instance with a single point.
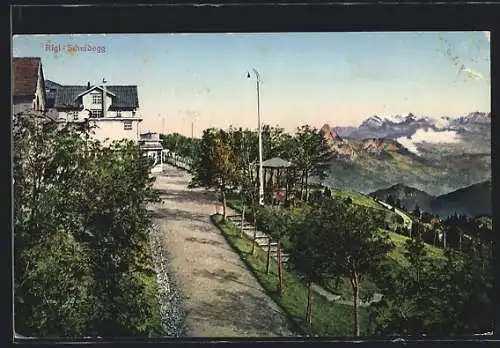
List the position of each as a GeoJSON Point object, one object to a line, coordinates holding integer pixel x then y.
{"type": "Point", "coordinates": [315, 78]}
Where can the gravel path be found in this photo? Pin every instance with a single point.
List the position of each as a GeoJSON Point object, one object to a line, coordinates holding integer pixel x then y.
{"type": "Point", "coordinates": [221, 298]}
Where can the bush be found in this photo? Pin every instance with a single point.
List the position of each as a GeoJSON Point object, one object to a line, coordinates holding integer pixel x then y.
{"type": "Point", "coordinates": [81, 253]}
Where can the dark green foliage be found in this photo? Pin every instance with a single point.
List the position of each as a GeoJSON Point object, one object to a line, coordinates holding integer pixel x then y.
{"type": "Point", "coordinates": [181, 145]}
{"type": "Point", "coordinates": [81, 253]}
{"type": "Point", "coordinates": [337, 240]}
{"type": "Point", "coordinates": [453, 296]}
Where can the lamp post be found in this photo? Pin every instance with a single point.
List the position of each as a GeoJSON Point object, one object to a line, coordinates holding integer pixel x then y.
{"type": "Point", "coordinates": [261, 177]}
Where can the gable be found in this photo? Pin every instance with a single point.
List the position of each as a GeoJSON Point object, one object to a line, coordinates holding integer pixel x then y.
{"type": "Point", "coordinates": [93, 89]}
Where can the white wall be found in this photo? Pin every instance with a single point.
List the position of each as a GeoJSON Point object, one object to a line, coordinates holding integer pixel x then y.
{"type": "Point", "coordinates": [22, 107]}
{"type": "Point", "coordinates": [40, 91]}
{"type": "Point", "coordinates": [113, 129]}
{"type": "Point", "coordinates": [87, 103]}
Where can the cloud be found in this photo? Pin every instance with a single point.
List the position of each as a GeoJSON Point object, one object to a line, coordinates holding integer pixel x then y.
{"type": "Point", "coordinates": [487, 35]}
{"type": "Point", "coordinates": [428, 136]}
{"type": "Point", "coordinates": [472, 73]}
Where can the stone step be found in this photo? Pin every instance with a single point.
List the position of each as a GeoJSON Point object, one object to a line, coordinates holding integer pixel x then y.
{"type": "Point", "coordinates": [284, 259]}
{"type": "Point", "coordinates": [264, 243]}
{"type": "Point", "coordinates": [275, 251]}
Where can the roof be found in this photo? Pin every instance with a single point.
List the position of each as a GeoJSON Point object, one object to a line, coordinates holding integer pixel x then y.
{"type": "Point", "coordinates": [276, 162]}
{"type": "Point", "coordinates": [96, 87]}
{"type": "Point", "coordinates": [51, 84]}
{"type": "Point", "coordinates": [151, 145]}
{"type": "Point", "coordinates": [126, 96]}
{"type": "Point", "coordinates": [25, 72]}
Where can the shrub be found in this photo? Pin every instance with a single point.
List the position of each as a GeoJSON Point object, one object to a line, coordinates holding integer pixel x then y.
{"type": "Point", "coordinates": [81, 253]}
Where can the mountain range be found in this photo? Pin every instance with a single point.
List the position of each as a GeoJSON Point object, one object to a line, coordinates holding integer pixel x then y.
{"type": "Point", "coordinates": [472, 200]}
{"type": "Point", "coordinates": [377, 155]}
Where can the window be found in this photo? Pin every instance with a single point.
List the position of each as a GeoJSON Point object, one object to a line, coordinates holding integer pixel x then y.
{"type": "Point", "coordinates": [96, 99]}
{"type": "Point", "coordinates": [127, 125]}
{"type": "Point", "coordinates": [75, 115]}
{"type": "Point", "coordinates": [96, 113]}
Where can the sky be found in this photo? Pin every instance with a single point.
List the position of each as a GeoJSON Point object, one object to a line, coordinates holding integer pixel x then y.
{"type": "Point", "coordinates": [196, 81]}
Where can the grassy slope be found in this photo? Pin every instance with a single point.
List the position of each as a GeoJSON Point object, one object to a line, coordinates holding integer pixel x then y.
{"type": "Point", "coordinates": [397, 255]}
{"type": "Point", "coordinates": [329, 319]}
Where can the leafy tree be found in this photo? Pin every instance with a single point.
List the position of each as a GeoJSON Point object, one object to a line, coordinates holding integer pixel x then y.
{"type": "Point", "coordinates": [80, 230]}
{"type": "Point", "coordinates": [307, 255]}
{"type": "Point", "coordinates": [390, 200]}
{"type": "Point", "coordinates": [351, 244]}
{"type": "Point", "coordinates": [217, 164]}
{"type": "Point", "coordinates": [397, 204]}
{"type": "Point", "coordinates": [417, 212]}
{"type": "Point", "coordinates": [408, 306]}
{"type": "Point", "coordinates": [438, 298]}
{"type": "Point", "coordinates": [311, 156]}
{"type": "Point", "coordinates": [279, 224]}
{"type": "Point", "coordinates": [357, 247]}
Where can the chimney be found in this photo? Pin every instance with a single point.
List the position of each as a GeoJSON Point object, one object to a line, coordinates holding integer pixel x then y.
{"type": "Point", "coordinates": [88, 85]}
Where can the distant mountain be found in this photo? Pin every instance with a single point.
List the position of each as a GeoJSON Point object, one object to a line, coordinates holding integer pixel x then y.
{"type": "Point", "coordinates": [370, 157]}
{"type": "Point", "coordinates": [371, 164]}
{"type": "Point", "coordinates": [340, 148]}
{"type": "Point", "coordinates": [387, 127]}
{"type": "Point", "coordinates": [409, 196]}
{"type": "Point", "coordinates": [472, 200]}
{"type": "Point", "coordinates": [472, 131]}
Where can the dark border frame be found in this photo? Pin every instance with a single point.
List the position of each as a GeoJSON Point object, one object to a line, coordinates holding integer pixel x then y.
{"type": "Point", "coordinates": [258, 16]}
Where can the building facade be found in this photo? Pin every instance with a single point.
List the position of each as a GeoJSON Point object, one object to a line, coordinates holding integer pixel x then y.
{"type": "Point", "coordinates": [28, 87]}
{"type": "Point", "coordinates": [112, 111]}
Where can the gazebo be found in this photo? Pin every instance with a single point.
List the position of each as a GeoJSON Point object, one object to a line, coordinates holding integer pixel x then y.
{"type": "Point", "coordinates": [150, 144]}
{"type": "Point", "coordinates": [274, 168]}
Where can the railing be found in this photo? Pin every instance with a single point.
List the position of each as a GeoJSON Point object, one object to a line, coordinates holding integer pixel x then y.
{"type": "Point", "coordinates": [174, 159]}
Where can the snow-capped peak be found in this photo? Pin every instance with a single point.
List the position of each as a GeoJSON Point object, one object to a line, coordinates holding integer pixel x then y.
{"type": "Point", "coordinates": [373, 122]}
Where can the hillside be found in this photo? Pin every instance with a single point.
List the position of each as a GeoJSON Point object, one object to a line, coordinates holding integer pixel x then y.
{"type": "Point", "coordinates": [472, 200]}
{"type": "Point", "coordinates": [409, 196]}
{"type": "Point", "coordinates": [368, 165]}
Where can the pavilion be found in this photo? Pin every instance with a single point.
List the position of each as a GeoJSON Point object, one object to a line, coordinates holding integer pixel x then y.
{"type": "Point", "coordinates": [274, 182]}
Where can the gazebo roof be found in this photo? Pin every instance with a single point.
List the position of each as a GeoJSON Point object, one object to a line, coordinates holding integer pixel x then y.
{"type": "Point", "coordinates": [276, 162]}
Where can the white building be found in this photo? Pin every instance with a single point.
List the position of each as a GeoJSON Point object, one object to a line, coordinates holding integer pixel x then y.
{"type": "Point", "coordinates": [113, 110]}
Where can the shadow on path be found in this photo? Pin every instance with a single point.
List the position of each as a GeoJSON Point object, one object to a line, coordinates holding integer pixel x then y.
{"type": "Point", "coordinates": [204, 241]}
{"type": "Point", "coordinates": [254, 312]}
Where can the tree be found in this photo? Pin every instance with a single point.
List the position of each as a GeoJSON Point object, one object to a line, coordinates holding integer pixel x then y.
{"type": "Point", "coordinates": [398, 204]}
{"type": "Point", "coordinates": [353, 246]}
{"type": "Point", "coordinates": [416, 212]}
{"type": "Point", "coordinates": [279, 224]}
{"type": "Point", "coordinates": [390, 200]}
{"type": "Point", "coordinates": [80, 230]}
{"type": "Point", "coordinates": [311, 156]}
{"type": "Point", "coordinates": [307, 255]}
{"type": "Point", "coordinates": [436, 297]}
{"type": "Point", "coordinates": [217, 164]}
{"type": "Point", "coordinates": [409, 304]}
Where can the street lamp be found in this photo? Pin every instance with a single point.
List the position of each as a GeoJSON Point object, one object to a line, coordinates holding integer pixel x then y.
{"type": "Point", "coordinates": [261, 177]}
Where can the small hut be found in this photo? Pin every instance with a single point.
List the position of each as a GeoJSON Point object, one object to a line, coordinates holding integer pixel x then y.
{"type": "Point", "coordinates": [275, 181]}
{"type": "Point", "coordinates": [150, 144]}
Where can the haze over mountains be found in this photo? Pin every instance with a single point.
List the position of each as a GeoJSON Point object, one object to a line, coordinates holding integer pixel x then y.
{"type": "Point", "coordinates": [437, 156]}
